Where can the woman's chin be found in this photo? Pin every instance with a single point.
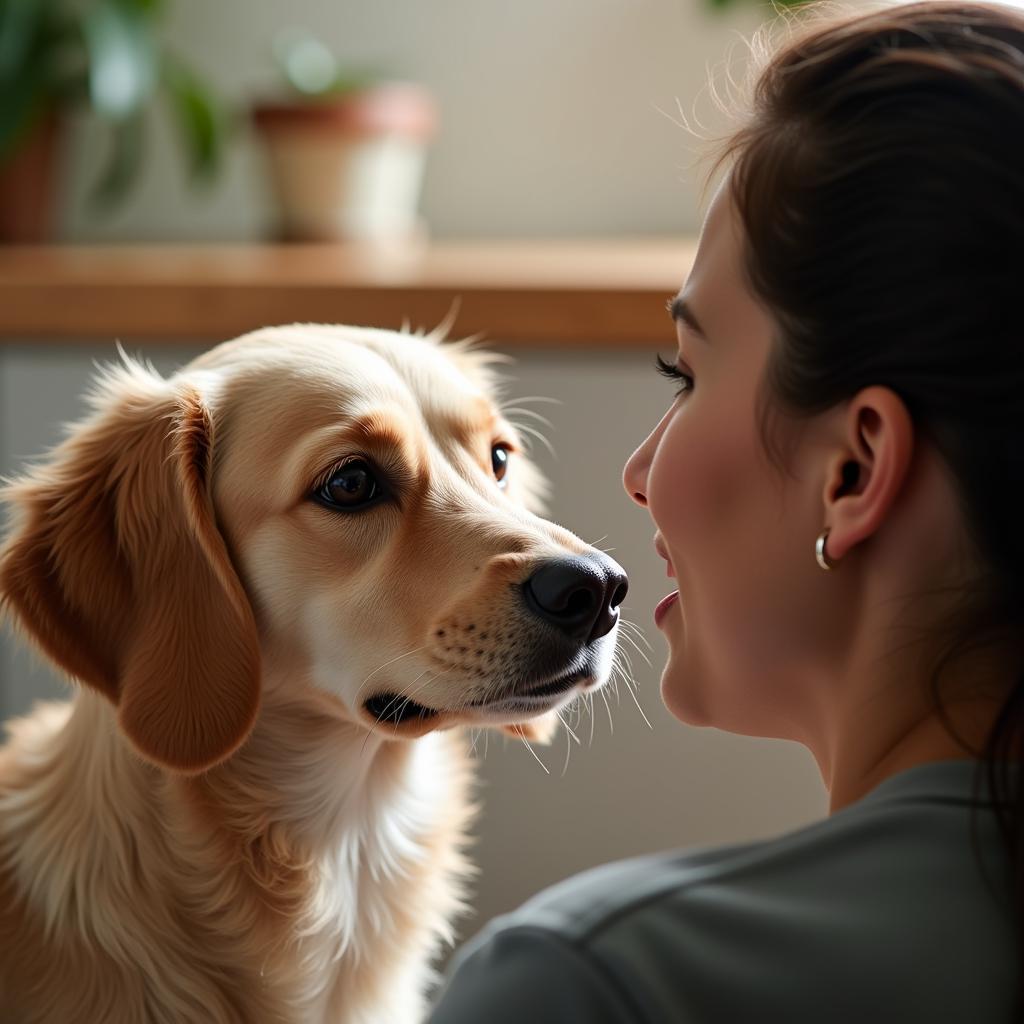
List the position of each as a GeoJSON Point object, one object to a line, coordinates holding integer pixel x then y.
{"type": "Point", "coordinates": [679, 695]}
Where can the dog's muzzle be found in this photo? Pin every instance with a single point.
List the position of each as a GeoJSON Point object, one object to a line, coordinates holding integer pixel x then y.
{"type": "Point", "coordinates": [579, 596]}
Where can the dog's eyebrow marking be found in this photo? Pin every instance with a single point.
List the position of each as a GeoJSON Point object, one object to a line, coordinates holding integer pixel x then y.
{"type": "Point", "coordinates": [380, 427]}
{"type": "Point", "coordinates": [381, 431]}
{"type": "Point", "coordinates": [467, 424]}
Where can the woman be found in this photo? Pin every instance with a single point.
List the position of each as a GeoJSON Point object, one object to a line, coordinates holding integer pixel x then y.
{"type": "Point", "coordinates": [837, 486]}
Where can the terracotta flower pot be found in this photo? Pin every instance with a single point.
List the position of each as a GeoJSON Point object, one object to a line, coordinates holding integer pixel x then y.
{"type": "Point", "coordinates": [350, 167]}
{"type": "Point", "coordinates": [27, 186]}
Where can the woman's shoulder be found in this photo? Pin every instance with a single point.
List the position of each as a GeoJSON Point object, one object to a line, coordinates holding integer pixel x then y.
{"type": "Point", "coordinates": [912, 831]}
{"type": "Point", "coordinates": [849, 908]}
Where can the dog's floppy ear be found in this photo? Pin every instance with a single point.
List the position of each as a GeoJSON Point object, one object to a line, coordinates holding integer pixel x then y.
{"type": "Point", "coordinates": [116, 568]}
{"type": "Point", "coordinates": [541, 729]}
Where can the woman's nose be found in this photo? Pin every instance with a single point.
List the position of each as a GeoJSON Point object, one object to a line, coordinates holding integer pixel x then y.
{"type": "Point", "coordinates": [634, 474]}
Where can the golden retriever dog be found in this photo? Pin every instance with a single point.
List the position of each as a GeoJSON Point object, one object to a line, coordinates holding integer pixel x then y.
{"type": "Point", "coordinates": [283, 578]}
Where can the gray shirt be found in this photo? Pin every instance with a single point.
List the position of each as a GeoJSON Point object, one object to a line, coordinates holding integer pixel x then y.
{"type": "Point", "coordinates": [880, 912]}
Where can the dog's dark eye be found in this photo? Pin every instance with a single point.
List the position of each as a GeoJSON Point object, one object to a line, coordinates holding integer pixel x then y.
{"type": "Point", "coordinates": [499, 462]}
{"type": "Point", "coordinates": [350, 485]}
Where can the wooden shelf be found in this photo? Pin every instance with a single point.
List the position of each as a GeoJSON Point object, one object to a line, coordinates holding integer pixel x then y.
{"type": "Point", "coordinates": [542, 293]}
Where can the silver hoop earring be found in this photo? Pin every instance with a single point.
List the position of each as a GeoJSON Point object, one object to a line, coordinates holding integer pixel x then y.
{"type": "Point", "coordinates": [821, 555]}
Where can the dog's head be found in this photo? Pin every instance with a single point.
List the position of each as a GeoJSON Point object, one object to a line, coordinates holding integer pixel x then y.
{"type": "Point", "coordinates": [337, 510]}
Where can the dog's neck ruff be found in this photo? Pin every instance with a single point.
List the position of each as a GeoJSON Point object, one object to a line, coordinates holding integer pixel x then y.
{"type": "Point", "coordinates": [314, 851]}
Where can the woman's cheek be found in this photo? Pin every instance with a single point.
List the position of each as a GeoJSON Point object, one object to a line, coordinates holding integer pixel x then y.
{"type": "Point", "coordinates": [691, 485]}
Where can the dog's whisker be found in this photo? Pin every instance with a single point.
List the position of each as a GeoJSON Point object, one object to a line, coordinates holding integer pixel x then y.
{"type": "Point", "coordinates": [616, 673]}
{"type": "Point", "coordinates": [607, 707]}
{"type": "Point", "coordinates": [636, 631]}
{"type": "Point", "coordinates": [526, 412]}
{"type": "Point", "coordinates": [636, 647]}
{"type": "Point", "coordinates": [535, 757]}
{"type": "Point", "coordinates": [529, 428]}
{"type": "Point", "coordinates": [392, 702]}
{"type": "Point", "coordinates": [590, 707]}
{"type": "Point", "coordinates": [385, 665]}
{"type": "Point", "coordinates": [631, 684]}
{"type": "Point", "coordinates": [398, 699]}
{"type": "Point", "coordinates": [404, 702]}
{"type": "Point", "coordinates": [476, 739]}
{"type": "Point", "coordinates": [539, 398]}
{"type": "Point", "coordinates": [400, 710]}
{"type": "Point", "coordinates": [568, 745]}
{"type": "Point", "coordinates": [634, 628]}
{"type": "Point", "coordinates": [568, 729]}
{"type": "Point", "coordinates": [442, 707]}
{"type": "Point", "coordinates": [630, 680]}
{"type": "Point", "coordinates": [627, 661]}
{"type": "Point", "coordinates": [528, 432]}
{"type": "Point", "coordinates": [597, 544]}
{"type": "Point", "coordinates": [408, 699]}
{"type": "Point", "coordinates": [636, 701]}
{"type": "Point", "coordinates": [634, 693]}
{"type": "Point", "coordinates": [631, 638]}
{"type": "Point", "coordinates": [366, 739]}
{"type": "Point", "coordinates": [533, 432]}
{"type": "Point", "coordinates": [627, 678]}
{"type": "Point", "coordinates": [417, 690]}
{"type": "Point", "coordinates": [627, 638]}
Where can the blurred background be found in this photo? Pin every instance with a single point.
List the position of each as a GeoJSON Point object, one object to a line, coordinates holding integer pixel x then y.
{"type": "Point", "coordinates": [553, 119]}
{"type": "Point", "coordinates": [532, 121]}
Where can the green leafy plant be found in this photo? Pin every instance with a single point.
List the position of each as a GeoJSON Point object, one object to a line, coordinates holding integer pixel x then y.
{"type": "Point", "coordinates": [107, 56]}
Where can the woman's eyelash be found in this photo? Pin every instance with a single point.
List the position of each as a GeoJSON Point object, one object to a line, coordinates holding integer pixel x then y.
{"type": "Point", "coordinates": [673, 372]}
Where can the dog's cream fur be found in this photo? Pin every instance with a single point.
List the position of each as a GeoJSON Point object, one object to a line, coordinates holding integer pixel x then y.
{"type": "Point", "coordinates": [216, 829]}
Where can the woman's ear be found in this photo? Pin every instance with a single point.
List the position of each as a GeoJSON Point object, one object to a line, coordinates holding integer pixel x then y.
{"type": "Point", "coordinates": [868, 471]}
{"type": "Point", "coordinates": [116, 569]}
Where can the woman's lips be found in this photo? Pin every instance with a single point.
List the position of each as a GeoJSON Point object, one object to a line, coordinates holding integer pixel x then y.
{"type": "Point", "coordinates": [663, 606]}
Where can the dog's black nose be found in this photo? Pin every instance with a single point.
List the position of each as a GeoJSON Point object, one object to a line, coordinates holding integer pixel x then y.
{"type": "Point", "coordinates": [580, 595]}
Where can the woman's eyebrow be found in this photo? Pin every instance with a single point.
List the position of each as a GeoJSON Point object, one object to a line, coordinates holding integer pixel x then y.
{"type": "Point", "coordinates": [681, 311]}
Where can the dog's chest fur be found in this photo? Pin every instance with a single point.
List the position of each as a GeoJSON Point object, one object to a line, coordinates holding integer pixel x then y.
{"type": "Point", "coordinates": [307, 880]}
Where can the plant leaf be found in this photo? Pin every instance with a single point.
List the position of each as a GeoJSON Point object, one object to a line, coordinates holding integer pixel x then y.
{"type": "Point", "coordinates": [24, 100]}
{"type": "Point", "coordinates": [21, 26]}
{"type": "Point", "coordinates": [67, 58]}
{"type": "Point", "coordinates": [24, 71]}
{"type": "Point", "coordinates": [147, 7]}
{"type": "Point", "coordinates": [200, 121]}
{"type": "Point", "coordinates": [124, 162]}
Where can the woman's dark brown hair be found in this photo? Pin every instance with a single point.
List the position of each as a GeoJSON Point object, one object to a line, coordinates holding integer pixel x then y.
{"type": "Point", "coordinates": [880, 181]}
